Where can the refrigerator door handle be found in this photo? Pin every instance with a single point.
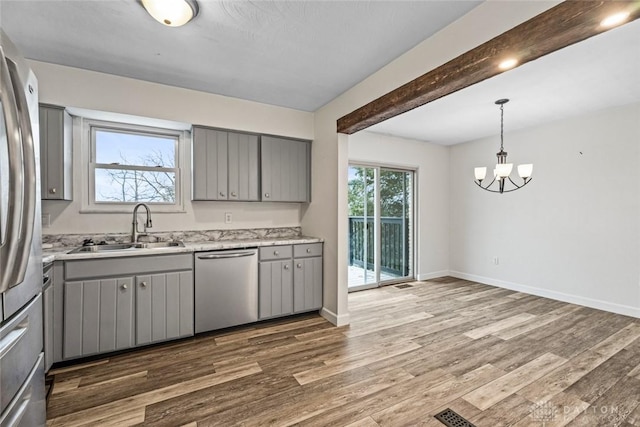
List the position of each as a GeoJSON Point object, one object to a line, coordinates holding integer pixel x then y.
{"type": "Point", "coordinates": [8, 250]}
{"type": "Point", "coordinates": [29, 180]}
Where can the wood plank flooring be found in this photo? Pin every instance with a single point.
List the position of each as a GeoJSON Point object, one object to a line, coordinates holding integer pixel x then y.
{"type": "Point", "coordinates": [496, 357]}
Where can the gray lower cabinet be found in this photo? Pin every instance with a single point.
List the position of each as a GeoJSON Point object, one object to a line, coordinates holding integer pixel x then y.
{"type": "Point", "coordinates": [55, 153]}
{"type": "Point", "coordinates": [98, 316]}
{"type": "Point", "coordinates": [276, 289]}
{"type": "Point", "coordinates": [285, 169]}
{"type": "Point", "coordinates": [225, 165]}
{"type": "Point", "coordinates": [307, 284]}
{"type": "Point", "coordinates": [164, 306]}
{"type": "Point", "coordinates": [151, 301]}
{"type": "Point", "coordinates": [290, 279]}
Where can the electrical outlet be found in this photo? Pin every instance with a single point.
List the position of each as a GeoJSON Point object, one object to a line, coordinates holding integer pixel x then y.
{"type": "Point", "coordinates": [228, 218]}
{"type": "Point", "coordinates": [496, 260]}
{"type": "Point", "coordinates": [46, 220]}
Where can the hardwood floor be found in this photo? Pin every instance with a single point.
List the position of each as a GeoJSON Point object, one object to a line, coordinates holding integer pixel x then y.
{"type": "Point", "coordinates": [495, 356]}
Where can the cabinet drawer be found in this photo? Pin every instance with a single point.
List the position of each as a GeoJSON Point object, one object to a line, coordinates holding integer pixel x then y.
{"type": "Point", "coordinates": [275, 252]}
{"type": "Point", "coordinates": [126, 265]}
{"type": "Point", "coordinates": [306, 250]}
{"type": "Point", "coordinates": [20, 346]}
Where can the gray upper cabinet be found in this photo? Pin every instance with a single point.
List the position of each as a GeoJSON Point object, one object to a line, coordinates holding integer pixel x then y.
{"type": "Point", "coordinates": [225, 165]}
{"type": "Point", "coordinates": [285, 169]}
{"type": "Point", "coordinates": [55, 153]}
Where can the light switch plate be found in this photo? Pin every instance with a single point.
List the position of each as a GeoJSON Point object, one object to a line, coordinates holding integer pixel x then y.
{"type": "Point", "coordinates": [228, 218]}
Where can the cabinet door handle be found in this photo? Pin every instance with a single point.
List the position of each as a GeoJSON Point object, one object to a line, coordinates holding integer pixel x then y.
{"type": "Point", "coordinates": [221, 194]}
{"type": "Point", "coordinates": [143, 284]}
{"type": "Point", "coordinates": [276, 253]}
{"type": "Point", "coordinates": [124, 286]}
{"type": "Point", "coordinates": [233, 194]}
{"type": "Point", "coordinates": [299, 265]}
{"type": "Point", "coordinates": [286, 266]}
{"type": "Point", "coordinates": [53, 190]}
{"type": "Point", "coordinates": [308, 250]}
{"type": "Point", "coordinates": [266, 195]}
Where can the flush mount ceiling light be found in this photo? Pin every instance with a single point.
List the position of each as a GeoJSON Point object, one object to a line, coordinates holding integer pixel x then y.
{"type": "Point", "coordinates": [502, 171]}
{"type": "Point", "coordinates": [615, 19]}
{"type": "Point", "coordinates": [508, 64]}
{"type": "Point", "coordinates": [172, 13]}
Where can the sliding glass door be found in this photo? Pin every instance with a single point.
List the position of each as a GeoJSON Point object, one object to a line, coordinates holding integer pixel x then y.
{"type": "Point", "coordinates": [380, 226]}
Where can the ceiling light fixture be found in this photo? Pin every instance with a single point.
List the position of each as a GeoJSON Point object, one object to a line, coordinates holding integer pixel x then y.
{"type": "Point", "coordinates": [615, 19]}
{"type": "Point", "coordinates": [502, 171]}
{"type": "Point", "coordinates": [172, 13]}
{"type": "Point", "coordinates": [508, 64]}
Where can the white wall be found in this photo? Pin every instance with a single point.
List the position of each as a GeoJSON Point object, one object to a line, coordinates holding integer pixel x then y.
{"type": "Point", "coordinates": [72, 87]}
{"type": "Point", "coordinates": [431, 163]}
{"type": "Point", "coordinates": [327, 216]}
{"type": "Point", "coordinates": [574, 232]}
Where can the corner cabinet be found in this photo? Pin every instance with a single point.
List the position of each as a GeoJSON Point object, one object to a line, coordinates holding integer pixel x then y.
{"type": "Point", "coordinates": [150, 300]}
{"type": "Point", "coordinates": [225, 165]}
{"type": "Point", "coordinates": [285, 169]}
{"type": "Point", "coordinates": [290, 279]}
{"type": "Point", "coordinates": [55, 153]}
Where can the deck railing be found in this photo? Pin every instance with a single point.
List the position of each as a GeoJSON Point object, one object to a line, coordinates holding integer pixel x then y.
{"type": "Point", "coordinates": [394, 250]}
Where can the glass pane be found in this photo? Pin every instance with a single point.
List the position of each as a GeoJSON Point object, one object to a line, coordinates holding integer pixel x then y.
{"type": "Point", "coordinates": [113, 147]}
{"type": "Point", "coordinates": [395, 224]}
{"type": "Point", "coordinates": [361, 226]}
{"type": "Point", "coordinates": [123, 185]}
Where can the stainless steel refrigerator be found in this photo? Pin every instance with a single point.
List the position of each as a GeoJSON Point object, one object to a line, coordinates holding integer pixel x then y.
{"type": "Point", "coordinates": [22, 399]}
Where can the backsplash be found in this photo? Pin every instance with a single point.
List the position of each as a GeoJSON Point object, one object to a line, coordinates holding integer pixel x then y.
{"type": "Point", "coordinates": [69, 240]}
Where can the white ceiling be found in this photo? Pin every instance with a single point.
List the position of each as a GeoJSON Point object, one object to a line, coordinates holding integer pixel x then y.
{"type": "Point", "coordinates": [297, 54]}
{"type": "Point", "coordinates": [598, 73]}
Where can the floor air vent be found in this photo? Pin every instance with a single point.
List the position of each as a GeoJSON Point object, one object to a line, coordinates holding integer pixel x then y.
{"type": "Point", "coordinates": [404, 286]}
{"type": "Point", "coordinates": [450, 418]}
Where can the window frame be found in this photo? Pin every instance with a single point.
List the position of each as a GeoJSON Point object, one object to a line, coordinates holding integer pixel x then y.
{"type": "Point", "coordinates": [88, 128]}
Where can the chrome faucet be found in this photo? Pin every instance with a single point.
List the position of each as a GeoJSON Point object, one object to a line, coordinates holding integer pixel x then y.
{"type": "Point", "coordinates": [135, 234]}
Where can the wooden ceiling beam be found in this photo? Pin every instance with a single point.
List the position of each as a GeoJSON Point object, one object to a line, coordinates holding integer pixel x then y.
{"type": "Point", "coordinates": [563, 25]}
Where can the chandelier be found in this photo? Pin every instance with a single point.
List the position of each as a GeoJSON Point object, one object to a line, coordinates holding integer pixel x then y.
{"type": "Point", "coordinates": [502, 171]}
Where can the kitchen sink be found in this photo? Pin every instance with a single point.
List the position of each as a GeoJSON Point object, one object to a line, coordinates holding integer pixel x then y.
{"type": "Point", "coordinates": [126, 247]}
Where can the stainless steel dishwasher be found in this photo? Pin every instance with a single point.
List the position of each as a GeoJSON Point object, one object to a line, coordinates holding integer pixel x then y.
{"type": "Point", "coordinates": [226, 289]}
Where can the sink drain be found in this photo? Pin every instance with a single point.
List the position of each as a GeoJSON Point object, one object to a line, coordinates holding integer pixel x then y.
{"type": "Point", "coordinates": [451, 418]}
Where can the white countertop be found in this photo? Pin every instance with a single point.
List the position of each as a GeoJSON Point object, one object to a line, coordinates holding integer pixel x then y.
{"type": "Point", "coordinates": [58, 254]}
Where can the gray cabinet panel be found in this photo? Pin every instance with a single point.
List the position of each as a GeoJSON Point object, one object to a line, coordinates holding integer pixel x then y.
{"type": "Point", "coordinates": [276, 289]}
{"type": "Point", "coordinates": [186, 301]}
{"type": "Point", "coordinates": [209, 164]}
{"type": "Point", "coordinates": [199, 164]}
{"type": "Point", "coordinates": [164, 306]}
{"type": "Point", "coordinates": [285, 169]}
{"type": "Point", "coordinates": [98, 316]}
{"type": "Point", "coordinates": [55, 153]}
{"type": "Point", "coordinates": [307, 284]}
{"type": "Point", "coordinates": [243, 167]}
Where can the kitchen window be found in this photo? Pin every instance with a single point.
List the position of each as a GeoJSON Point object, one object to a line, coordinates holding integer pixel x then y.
{"type": "Point", "coordinates": [131, 164]}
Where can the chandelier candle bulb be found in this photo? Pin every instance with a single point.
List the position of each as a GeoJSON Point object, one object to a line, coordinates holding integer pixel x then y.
{"type": "Point", "coordinates": [525, 170]}
{"type": "Point", "coordinates": [480, 173]}
{"type": "Point", "coordinates": [502, 171]}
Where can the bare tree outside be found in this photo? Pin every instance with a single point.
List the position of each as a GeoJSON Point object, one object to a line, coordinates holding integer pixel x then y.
{"type": "Point", "coordinates": [136, 172]}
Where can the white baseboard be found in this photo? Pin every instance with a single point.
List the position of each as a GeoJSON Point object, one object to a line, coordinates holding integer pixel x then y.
{"type": "Point", "coordinates": [336, 320]}
{"type": "Point", "coordinates": [546, 293]}
{"type": "Point", "coordinates": [433, 275]}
